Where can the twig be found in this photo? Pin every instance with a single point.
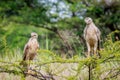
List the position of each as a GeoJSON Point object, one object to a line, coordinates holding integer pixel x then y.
{"type": "Point", "coordinates": [40, 75]}
{"type": "Point", "coordinates": [108, 58]}
{"type": "Point", "coordinates": [115, 74]}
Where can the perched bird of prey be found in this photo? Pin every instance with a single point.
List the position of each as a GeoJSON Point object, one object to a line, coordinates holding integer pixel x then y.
{"type": "Point", "coordinates": [92, 36]}
{"type": "Point", "coordinates": [30, 49]}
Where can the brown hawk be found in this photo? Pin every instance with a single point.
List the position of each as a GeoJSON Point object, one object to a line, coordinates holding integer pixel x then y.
{"type": "Point", "coordinates": [92, 36]}
{"type": "Point", "coordinates": [30, 49]}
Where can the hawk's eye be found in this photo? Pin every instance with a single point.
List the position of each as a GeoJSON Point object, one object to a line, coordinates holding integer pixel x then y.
{"type": "Point", "coordinates": [34, 35]}
{"type": "Point", "coordinates": [89, 20]}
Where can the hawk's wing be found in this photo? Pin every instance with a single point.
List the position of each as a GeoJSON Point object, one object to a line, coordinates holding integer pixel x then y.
{"type": "Point", "coordinates": [98, 33]}
{"type": "Point", "coordinates": [25, 52]}
{"type": "Point", "coordinates": [85, 32]}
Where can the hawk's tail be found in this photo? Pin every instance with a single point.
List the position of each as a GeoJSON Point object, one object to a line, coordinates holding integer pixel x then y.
{"type": "Point", "coordinates": [98, 48]}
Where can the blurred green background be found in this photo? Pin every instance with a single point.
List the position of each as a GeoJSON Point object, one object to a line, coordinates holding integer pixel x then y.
{"type": "Point", "coordinates": [59, 23]}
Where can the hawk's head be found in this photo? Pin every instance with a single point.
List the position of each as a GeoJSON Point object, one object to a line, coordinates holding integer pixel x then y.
{"type": "Point", "coordinates": [34, 35]}
{"type": "Point", "coordinates": [88, 20]}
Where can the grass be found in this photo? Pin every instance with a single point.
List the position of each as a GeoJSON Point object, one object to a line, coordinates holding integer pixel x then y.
{"type": "Point", "coordinates": [50, 65]}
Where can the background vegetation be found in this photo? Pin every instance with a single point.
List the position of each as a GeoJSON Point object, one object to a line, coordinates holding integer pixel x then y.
{"type": "Point", "coordinates": [59, 24]}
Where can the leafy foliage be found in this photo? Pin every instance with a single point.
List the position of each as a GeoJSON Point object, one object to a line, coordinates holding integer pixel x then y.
{"type": "Point", "coordinates": [60, 25]}
{"type": "Point", "coordinates": [49, 65]}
